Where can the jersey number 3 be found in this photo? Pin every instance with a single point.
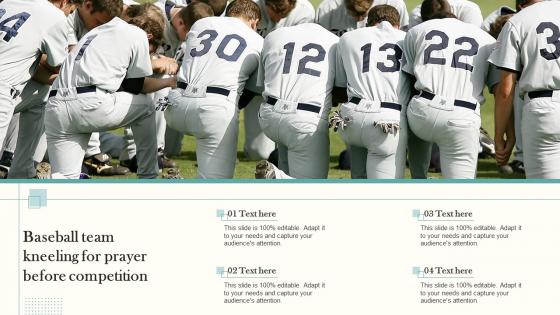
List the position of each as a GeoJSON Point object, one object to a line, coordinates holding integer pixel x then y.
{"type": "Point", "coordinates": [554, 39]}
{"type": "Point", "coordinates": [12, 31]}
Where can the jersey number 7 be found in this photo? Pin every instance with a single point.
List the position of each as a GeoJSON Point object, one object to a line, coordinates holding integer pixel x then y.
{"type": "Point", "coordinates": [12, 31]}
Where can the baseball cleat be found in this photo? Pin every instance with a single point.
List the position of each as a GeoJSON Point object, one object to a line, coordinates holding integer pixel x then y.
{"type": "Point", "coordinates": [7, 158]}
{"type": "Point", "coordinates": [4, 170]}
{"type": "Point", "coordinates": [164, 161]}
{"type": "Point", "coordinates": [517, 166]}
{"type": "Point", "coordinates": [131, 164]}
{"type": "Point", "coordinates": [487, 144]}
{"type": "Point", "coordinates": [43, 171]}
{"type": "Point", "coordinates": [100, 164]}
{"type": "Point", "coordinates": [172, 173]}
{"type": "Point", "coordinates": [264, 170]}
{"type": "Point", "coordinates": [167, 162]}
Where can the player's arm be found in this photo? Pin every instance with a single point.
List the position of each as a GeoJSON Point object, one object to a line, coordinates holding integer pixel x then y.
{"type": "Point", "coordinates": [504, 94]}
{"type": "Point", "coordinates": [164, 65]}
{"type": "Point", "coordinates": [147, 85]}
{"type": "Point", "coordinates": [45, 73]}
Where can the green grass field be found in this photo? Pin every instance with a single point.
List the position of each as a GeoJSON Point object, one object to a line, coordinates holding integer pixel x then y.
{"type": "Point", "coordinates": [245, 168]}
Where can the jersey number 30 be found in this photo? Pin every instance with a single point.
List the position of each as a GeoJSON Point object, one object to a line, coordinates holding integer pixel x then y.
{"type": "Point", "coordinates": [210, 36]}
{"type": "Point", "coordinates": [12, 31]}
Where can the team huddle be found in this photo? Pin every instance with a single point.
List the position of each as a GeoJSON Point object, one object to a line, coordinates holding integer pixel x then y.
{"type": "Point", "coordinates": [392, 85]}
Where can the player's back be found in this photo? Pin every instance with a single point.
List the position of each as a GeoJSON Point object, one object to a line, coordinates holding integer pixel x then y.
{"type": "Point", "coordinates": [222, 52]}
{"type": "Point", "coordinates": [371, 58]}
{"type": "Point", "coordinates": [26, 28]}
{"type": "Point", "coordinates": [299, 64]}
{"type": "Point", "coordinates": [105, 56]}
{"type": "Point", "coordinates": [539, 29]}
{"type": "Point", "coordinates": [449, 58]}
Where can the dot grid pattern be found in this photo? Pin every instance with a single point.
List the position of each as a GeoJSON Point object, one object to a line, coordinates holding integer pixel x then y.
{"type": "Point", "coordinates": [43, 306]}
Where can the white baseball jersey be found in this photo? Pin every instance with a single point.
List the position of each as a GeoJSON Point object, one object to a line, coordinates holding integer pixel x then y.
{"type": "Point", "coordinates": [300, 64]}
{"type": "Point", "coordinates": [106, 56]}
{"type": "Point", "coordinates": [492, 17]}
{"type": "Point", "coordinates": [303, 12]}
{"type": "Point", "coordinates": [171, 41]}
{"type": "Point", "coordinates": [76, 28]}
{"type": "Point", "coordinates": [369, 63]}
{"type": "Point", "coordinates": [333, 15]}
{"type": "Point", "coordinates": [449, 58]}
{"type": "Point", "coordinates": [29, 28]}
{"type": "Point", "coordinates": [464, 10]}
{"type": "Point", "coordinates": [220, 52]}
{"type": "Point", "coordinates": [530, 44]}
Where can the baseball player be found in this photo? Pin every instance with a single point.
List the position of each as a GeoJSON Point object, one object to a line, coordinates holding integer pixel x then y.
{"type": "Point", "coordinates": [374, 119]}
{"type": "Point", "coordinates": [420, 153]}
{"type": "Point", "coordinates": [88, 15]}
{"type": "Point", "coordinates": [98, 89]}
{"type": "Point", "coordinates": [28, 30]}
{"type": "Point", "coordinates": [516, 166]}
{"type": "Point", "coordinates": [529, 51]}
{"type": "Point", "coordinates": [177, 17]}
{"type": "Point", "coordinates": [221, 55]}
{"type": "Point", "coordinates": [341, 16]}
{"type": "Point", "coordinates": [275, 14]}
{"type": "Point", "coordinates": [299, 75]}
{"type": "Point", "coordinates": [491, 18]}
{"type": "Point", "coordinates": [175, 32]}
{"type": "Point", "coordinates": [464, 10]}
{"type": "Point", "coordinates": [448, 59]}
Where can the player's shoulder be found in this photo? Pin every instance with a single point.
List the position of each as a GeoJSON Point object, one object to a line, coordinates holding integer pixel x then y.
{"type": "Point", "coordinates": [463, 4]}
{"type": "Point", "coordinates": [527, 15]}
{"type": "Point", "coordinates": [46, 11]}
{"type": "Point", "coordinates": [330, 5]}
{"type": "Point", "coordinates": [398, 4]}
{"type": "Point", "coordinates": [317, 31]}
{"type": "Point", "coordinates": [126, 31]}
{"type": "Point", "coordinates": [236, 25]}
{"type": "Point", "coordinates": [304, 7]}
{"type": "Point", "coordinates": [208, 22]}
{"type": "Point", "coordinates": [304, 30]}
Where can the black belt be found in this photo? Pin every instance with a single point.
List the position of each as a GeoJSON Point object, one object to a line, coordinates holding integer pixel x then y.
{"type": "Point", "coordinates": [79, 90]}
{"type": "Point", "coordinates": [540, 94]}
{"type": "Point", "coordinates": [209, 89]}
{"type": "Point", "coordinates": [301, 106]}
{"type": "Point", "coordinates": [430, 96]}
{"type": "Point", "coordinates": [395, 106]}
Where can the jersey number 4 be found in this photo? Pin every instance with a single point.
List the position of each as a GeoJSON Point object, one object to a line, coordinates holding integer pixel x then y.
{"type": "Point", "coordinates": [553, 39]}
{"type": "Point", "coordinates": [12, 31]}
{"type": "Point", "coordinates": [456, 62]}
